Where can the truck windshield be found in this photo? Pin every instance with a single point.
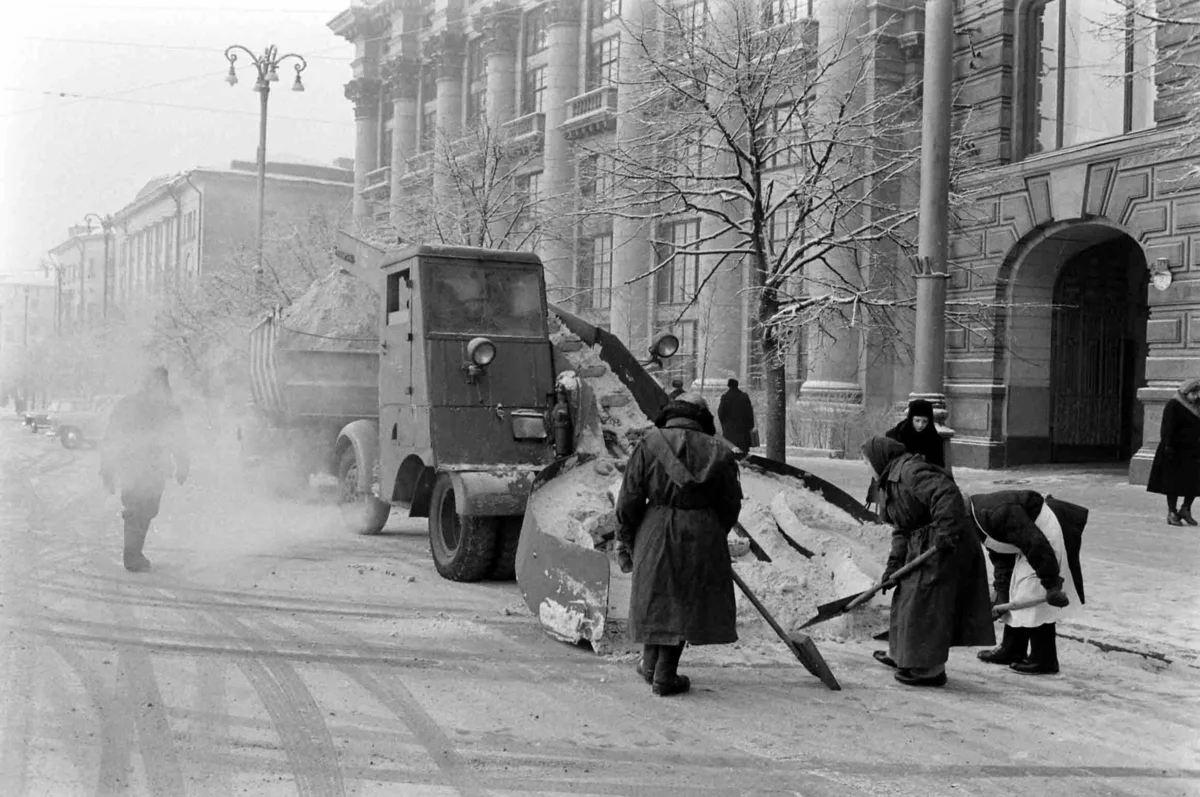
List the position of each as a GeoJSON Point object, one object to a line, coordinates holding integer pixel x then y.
{"type": "Point", "coordinates": [472, 299]}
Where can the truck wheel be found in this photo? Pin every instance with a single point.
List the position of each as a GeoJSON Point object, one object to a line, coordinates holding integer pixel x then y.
{"type": "Point", "coordinates": [69, 437]}
{"type": "Point", "coordinates": [362, 512]}
{"type": "Point", "coordinates": [505, 566]}
{"type": "Point", "coordinates": [463, 546]}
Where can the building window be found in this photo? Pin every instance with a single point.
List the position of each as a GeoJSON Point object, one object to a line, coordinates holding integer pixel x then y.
{"type": "Point", "coordinates": [533, 92]}
{"type": "Point", "coordinates": [599, 265]}
{"type": "Point", "coordinates": [607, 11]}
{"type": "Point", "coordinates": [535, 31]}
{"type": "Point", "coordinates": [689, 18]}
{"type": "Point", "coordinates": [596, 177]}
{"type": "Point", "coordinates": [428, 129]}
{"type": "Point", "coordinates": [1083, 82]}
{"type": "Point", "coordinates": [526, 195]}
{"type": "Point", "coordinates": [781, 12]}
{"type": "Point", "coordinates": [674, 250]}
{"type": "Point", "coordinates": [786, 133]}
{"type": "Point", "coordinates": [477, 82]}
{"type": "Point", "coordinates": [602, 69]}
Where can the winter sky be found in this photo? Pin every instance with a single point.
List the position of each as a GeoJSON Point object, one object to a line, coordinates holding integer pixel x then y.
{"type": "Point", "coordinates": [100, 96]}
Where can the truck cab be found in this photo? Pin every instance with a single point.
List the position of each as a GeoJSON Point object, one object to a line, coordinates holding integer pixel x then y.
{"type": "Point", "coordinates": [465, 375]}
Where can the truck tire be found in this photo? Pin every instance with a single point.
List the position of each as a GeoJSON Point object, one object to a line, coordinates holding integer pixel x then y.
{"type": "Point", "coordinates": [505, 566]}
{"type": "Point", "coordinates": [463, 546]}
{"type": "Point", "coordinates": [69, 436]}
{"type": "Point", "coordinates": [363, 513]}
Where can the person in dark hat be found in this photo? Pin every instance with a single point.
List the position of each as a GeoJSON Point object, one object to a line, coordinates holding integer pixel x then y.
{"type": "Point", "coordinates": [736, 414]}
{"type": "Point", "coordinates": [144, 444]}
{"type": "Point", "coordinates": [680, 497]}
{"type": "Point", "coordinates": [1033, 542]}
{"type": "Point", "coordinates": [944, 603]}
{"type": "Point", "coordinates": [918, 433]}
{"type": "Point", "coordinates": [676, 388]}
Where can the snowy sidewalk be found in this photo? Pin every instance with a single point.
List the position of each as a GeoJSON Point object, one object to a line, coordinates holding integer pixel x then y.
{"type": "Point", "coordinates": [1141, 576]}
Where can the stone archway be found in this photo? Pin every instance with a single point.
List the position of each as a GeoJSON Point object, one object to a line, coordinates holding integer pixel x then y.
{"type": "Point", "coordinates": [1076, 345]}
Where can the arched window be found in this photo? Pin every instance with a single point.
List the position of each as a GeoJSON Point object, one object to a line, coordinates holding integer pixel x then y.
{"type": "Point", "coordinates": [1088, 72]}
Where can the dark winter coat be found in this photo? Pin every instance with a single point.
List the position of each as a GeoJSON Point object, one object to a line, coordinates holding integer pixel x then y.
{"type": "Point", "coordinates": [1176, 468]}
{"type": "Point", "coordinates": [736, 414]}
{"type": "Point", "coordinates": [680, 497]}
{"type": "Point", "coordinates": [1009, 516]}
{"type": "Point", "coordinates": [145, 442]}
{"type": "Point", "coordinates": [945, 603]}
{"type": "Point", "coordinates": [927, 443]}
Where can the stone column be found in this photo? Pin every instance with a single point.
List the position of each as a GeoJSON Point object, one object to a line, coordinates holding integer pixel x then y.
{"type": "Point", "coordinates": [831, 394]}
{"type": "Point", "coordinates": [364, 93]}
{"type": "Point", "coordinates": [633, 252]}
{"type": "Point", "coordinates": [558, 172]}
{"type": "Point", "coordinates": [447, 57]}
{"type": "Point", "coordinates": [500, 24]}
{"type": "Point", "coordinates": [403, 79]}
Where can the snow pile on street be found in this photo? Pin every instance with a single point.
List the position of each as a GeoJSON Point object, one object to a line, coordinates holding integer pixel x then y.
{"type": "Point", "coordinates": [338, 313]}
{"type": "Point", "coordinates": [577, 505]}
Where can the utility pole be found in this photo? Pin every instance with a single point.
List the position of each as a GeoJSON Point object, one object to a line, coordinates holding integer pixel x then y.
{"type": "Point", "coordinates": [266, 66]}
{"type": "Point", "coordinates": [929, 367]}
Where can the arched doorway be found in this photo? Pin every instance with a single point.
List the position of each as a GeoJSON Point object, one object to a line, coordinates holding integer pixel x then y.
{"type": "Point", "coordinates": [1098, 351]}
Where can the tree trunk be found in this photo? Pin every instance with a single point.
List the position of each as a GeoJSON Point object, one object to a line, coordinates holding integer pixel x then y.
{"type": "Point", "coordinates": [775, 412]}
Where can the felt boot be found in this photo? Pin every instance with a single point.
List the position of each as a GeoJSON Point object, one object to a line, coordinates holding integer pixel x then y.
{"type": "Point", "coordinates": [1013, 647]}
{"type": "Point", "coordinates": [648, 663]}
{"type": "Point", "coordinates": [667, 680]}
{"type": "Point", "coordinates": [135, 538]}
{"type": "Point", "coordinates": [1043, 652]}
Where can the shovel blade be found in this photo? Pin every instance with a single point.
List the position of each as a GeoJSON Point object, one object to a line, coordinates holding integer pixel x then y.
{"type": "Point", "coordinates": [806, 651]}
{"type": "Point", "coordinates": [831, 610]}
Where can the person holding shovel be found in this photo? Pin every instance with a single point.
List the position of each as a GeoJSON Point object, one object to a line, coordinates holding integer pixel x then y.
{"type": "Point", "coordinates": [1032, 540]}
{"type": "Point", "coordinates": [680, 497]}
{"type": "Point", "coordinates": [944, 602]}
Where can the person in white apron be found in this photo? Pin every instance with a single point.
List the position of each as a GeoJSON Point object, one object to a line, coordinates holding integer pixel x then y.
{"type": "Point", "coordinates": [1032, 541]}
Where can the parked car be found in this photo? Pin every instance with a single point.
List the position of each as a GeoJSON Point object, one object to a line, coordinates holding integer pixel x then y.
{"type": "Point", "coordinates": [36, 420]}
{"type": "Point", "coordinates": [82, 424]}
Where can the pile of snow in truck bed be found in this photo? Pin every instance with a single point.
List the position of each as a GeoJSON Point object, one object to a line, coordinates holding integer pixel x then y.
{"type": "Point", "coordinates": [340, 312]}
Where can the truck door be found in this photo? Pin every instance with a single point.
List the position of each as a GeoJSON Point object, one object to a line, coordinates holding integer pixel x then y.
{"type": "Point", "coordinates": [395, 378]}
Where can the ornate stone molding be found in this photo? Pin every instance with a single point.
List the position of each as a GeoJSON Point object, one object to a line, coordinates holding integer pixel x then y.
{"type": "Point", "coordinates": [364, 93]}
{"type": "Point", "coordinates": [912, 44]}
{"type": "Point", "coordinates": [500, 24]}
{"type": "Point", "coordinates": [402, 78]}
{"type": "Point", "coordinates": [446, 50]}
{"type": "Point", "coordinates": [563, 12]}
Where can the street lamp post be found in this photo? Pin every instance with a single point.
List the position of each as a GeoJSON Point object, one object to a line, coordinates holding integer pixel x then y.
{"type": "Point", "coordinates": [106, 224]}
{"type": "Point", "coordinates": [266, 65]}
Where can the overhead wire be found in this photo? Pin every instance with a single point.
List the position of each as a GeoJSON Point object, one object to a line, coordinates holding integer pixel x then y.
{"type": "Point", "coordinates": [186, 47]}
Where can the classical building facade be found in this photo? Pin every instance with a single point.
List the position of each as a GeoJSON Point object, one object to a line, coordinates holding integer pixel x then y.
{"type": "Point", "coordinates": [27, 307]}
{"type": "Point", "coordinates": [1083, 195]}
{"type": "Point", "coordinates": [78, 263]}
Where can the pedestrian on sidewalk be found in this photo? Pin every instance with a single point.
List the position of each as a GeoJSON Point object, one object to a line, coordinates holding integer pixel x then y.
{"type": "Point", "coordinates": [1176, 469]}
{"type": "Point", "coordinates": [676, 389]}
{"type": "Point", "coordinates": [919, 435]}
{"type": "Point", "coordinates": [145, 443]}
{"type": "Point", "coordinates": [944, 603]}
{"type": "Point", "coordinates": [1033, 542]}
{"type": "Point", "coordinates": [736, 414]}
{"type": "Point", "coordinates": [679, 499]}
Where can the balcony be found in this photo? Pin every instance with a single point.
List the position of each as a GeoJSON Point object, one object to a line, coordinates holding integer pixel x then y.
{"type": "Point", "coordinates": [527, 131]}
{"type": "Point", "coordinates": [591, 113]}
{"type": "Point", "coordinates": [419, 164]}
{"type": "Point", "coordinates": [378, 184]}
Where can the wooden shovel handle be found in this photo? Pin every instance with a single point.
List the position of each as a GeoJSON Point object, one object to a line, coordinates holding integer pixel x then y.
{"type": "Point", "coordinates": [899, 574]}
{"type": "Point", "coordinates": [1003, 608]}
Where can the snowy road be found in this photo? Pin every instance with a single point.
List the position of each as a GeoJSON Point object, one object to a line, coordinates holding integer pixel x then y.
{"type": "Point", "coordinates": [268, 652]}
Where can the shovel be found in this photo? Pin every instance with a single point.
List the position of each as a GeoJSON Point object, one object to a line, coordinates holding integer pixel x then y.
{"type": "Point", "coordinates": [842, 605]}
{"type": "Point", "coordinates": [801, 645]}
{"type": "Point", "coordinates": [998, 611]}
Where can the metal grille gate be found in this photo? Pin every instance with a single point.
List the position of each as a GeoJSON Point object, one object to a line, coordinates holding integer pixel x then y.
{"type": "Point", "coordinates": [1091, 357]}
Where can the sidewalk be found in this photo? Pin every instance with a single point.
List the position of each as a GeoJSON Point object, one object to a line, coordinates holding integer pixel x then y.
{"type": "Point", "coordinates": [1141, 576]}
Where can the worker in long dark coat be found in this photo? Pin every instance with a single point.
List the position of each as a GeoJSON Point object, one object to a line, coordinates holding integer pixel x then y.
{"type": "Point", "coordinates": [1033, 542]}
{"type": "Point", "coordinates": [736, 414]}
{"type": "Point", "coordinates": [680, 497]}
{"type": "Point", "coordinates": [944, 603]}
{"type": "Point", "coordinates": [1176, 469]}
{"type": "Point", "coordinates": [144, 444]}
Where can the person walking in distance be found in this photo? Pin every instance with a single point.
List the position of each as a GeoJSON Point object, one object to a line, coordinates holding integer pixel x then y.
{"type": "Point", "coordinates": [679, 499]}
{"type": "Point", "coordinates": [944, 602]}
{"type": "Point", "coordinates": [1176, 469]}
{"type": "Point", "coordinates": [144, 443]}
{"type": "Point", "coordinates": [736, 414]}
{"type": "Point", "coordinates": [676, 389]}
{"type": "Point", "coordinates": [1033, 542]}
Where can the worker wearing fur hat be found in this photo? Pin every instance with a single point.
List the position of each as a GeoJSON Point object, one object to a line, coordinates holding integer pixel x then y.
{"type": "Point", "coordinates": [1033, 542]}
{"type": "Point", "coordinates": [680, 497]}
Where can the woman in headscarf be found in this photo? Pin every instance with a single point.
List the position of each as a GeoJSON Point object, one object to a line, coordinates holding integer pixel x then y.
{"type": "Point", "coordinates": [680, 497]}
{"type": "Point", "coordinates": [944, 603]}
{"type": "Point", "coordinates": [918, 433]}
{"type": "Point", "coordinates": [1176, 469]}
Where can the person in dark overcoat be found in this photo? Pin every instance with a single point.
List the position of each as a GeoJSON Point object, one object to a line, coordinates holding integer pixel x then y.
{"type": "Point", "coordinates": [680, 496]}
{"type": "Point", "coordinates": [945, 602]}
{"type": "Point", "coordinates": [1033, 542]}
{"type": "Point", "coordinates": [918, 433]}
{"type": "Point", "coordinates": [676, 389]}
{"type": "Point", "coordinates": [1176, 469]}
{"type": "Point", "coordinates": [144, 444]}
{"type": "Point", "coordinates": [736, 414]}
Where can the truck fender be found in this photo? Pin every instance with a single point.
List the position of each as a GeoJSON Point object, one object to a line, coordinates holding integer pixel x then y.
{"type": "Point", "coordinates": [363, 436]}
{"type": "Point", "coordinates": [491, 493]}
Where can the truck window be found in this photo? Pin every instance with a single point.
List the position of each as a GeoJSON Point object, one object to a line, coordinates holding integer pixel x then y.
{"type": "Point", "coordinates": [472, 299]}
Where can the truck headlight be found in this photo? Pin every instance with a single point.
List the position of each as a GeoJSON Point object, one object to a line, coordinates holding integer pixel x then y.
{"type": "Point", "coordinates": [664, 346]}
{"type": "Point", "coordinates": [481, 352]}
